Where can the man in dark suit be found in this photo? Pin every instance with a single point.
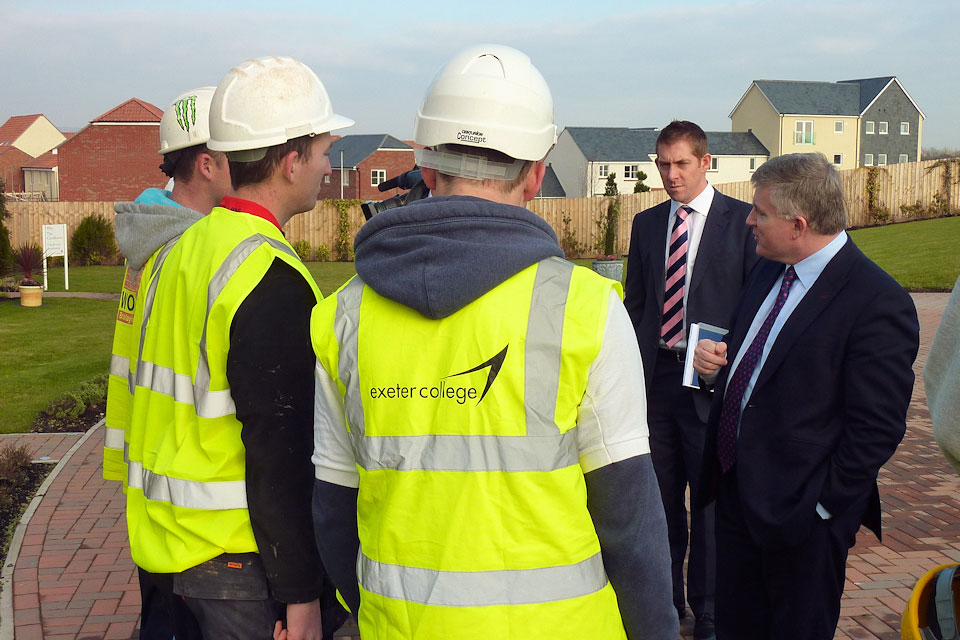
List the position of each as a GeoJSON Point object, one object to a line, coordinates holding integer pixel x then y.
{"type": "Point", "coordinates": [688, 259]}
{"type": "Point", "coordinates": [813, 403]}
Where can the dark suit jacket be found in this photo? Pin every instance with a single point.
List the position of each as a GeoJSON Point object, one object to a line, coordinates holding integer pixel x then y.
{"type": "Point", "coordinates": [725, 256]}
{"type": "Point", "coordinates": [830, 404]}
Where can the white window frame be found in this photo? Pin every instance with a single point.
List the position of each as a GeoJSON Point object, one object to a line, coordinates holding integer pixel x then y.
{"type": "Point", "coordinates": [904, 128]}
{"type": "Point", "coordinates": [837, 162]}
{"type": "Point", "coordinates": [881, 159]}
{"type": "Point", "coordinates": [868, 159]}
{"type": "Point", "coordinates": [903, 159]}
{"type": "Point", "coordinates": [714, 163]}
{"type": "Point", "coordinates": [838, 126]}
{"type": "Point", "coordinates": [800, 132]}
{"type": "Point", "coordinates": [377, 176]}
{"type": "Point", "coordinates": [603, 170]}
{"type": "Point", "coordinates": [326, 179]}
{"type": "Point", "coordinates": [882, 128]}
{"type": "Point", "coordinates": [753, 164]}
{"type": "Point", "coordinates": [630, 171]}
{"type": "Point", "coordinates": [868, 127]}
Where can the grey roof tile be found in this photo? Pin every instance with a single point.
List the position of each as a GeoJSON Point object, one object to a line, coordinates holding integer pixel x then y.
{"type": "Point", "coordinates": [551, 187]}
{"type": "Point", "coordinates": [357, 148]}
{"type": "Point", "coordinates": [870, 88]}
{"type": "Point", "coordinates": [624, 144]}
{"type": "Point", "coordinates": [812, 98]}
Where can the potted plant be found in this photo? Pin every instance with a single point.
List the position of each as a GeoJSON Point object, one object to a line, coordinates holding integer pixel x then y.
{"type": "Point", "coordinates": [28, 259]}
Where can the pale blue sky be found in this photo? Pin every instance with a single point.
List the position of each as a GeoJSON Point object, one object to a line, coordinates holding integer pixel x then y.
{"type": "Point", "coordinates": [608, 63]}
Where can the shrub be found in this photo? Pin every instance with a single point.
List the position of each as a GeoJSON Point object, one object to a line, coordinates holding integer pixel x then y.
{"type": "Point", "coordinates": [92, 243]}
{"type": "Point", "coordinates": [572, 248]}
{"type": "Point", "coordinates": [303, 249]}
{"type": "Point", "coordinates": [28, 259]}
{"type": "Point", "coordinates": [6, 251]}
{"type": "Point", "coordinates": [69, 407]}
{"type": "Point", "coordinates": [323, 253]}
{"type": "Point", "coordinates": [14, 465]}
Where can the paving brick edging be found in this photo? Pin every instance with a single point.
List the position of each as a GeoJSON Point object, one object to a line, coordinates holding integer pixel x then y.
{"type": "Point", "coordinates": [6, 577]}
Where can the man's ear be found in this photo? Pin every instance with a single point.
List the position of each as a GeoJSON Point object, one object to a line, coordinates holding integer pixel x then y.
{"type": "Point", "coordinates": [705, 162]}
{"type": "Point", "coordinates": [531, 186]}
{"type": "Point", "coordinates": [429, 177]}
{"type": "Point", "coordinates": [289, 166]}
{"type": "Point", "coordinates": [800, 226]}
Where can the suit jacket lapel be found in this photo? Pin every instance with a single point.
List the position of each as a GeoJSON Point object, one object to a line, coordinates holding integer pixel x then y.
{"type": "Point", "coordinates": [818, 298]}
{"type": "Point", "coordinates": [657, 273]}
{"type": "Point", "coordinates": [711, 240]}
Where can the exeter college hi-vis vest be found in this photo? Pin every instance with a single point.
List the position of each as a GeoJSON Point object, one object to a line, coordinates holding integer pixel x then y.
{"type": "Point", "coordinates": [185, 476]}
{"type": "Point", "coordinates": [472, 508]}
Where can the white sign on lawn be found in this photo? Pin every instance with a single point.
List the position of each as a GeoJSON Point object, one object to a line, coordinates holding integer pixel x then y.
{"type": "Point", "coordinates": [55, 244]}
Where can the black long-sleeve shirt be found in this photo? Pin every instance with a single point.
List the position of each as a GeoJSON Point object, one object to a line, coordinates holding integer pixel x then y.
{"type": "Point", "coordinates": [270, 369]}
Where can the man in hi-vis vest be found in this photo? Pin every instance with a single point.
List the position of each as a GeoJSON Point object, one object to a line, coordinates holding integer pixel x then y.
{"type": "Point", "coordinates": [217, 449]}
{"type": "Point", "coordinates": [481, 453]}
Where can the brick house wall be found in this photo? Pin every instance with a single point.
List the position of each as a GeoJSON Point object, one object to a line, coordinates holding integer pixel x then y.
{"type": "Point", "coordinates": [110, 162]}
{"type": "Point", "coordinates": [393, 161]}
{"type": "Point", "coordinates": [11, 171]}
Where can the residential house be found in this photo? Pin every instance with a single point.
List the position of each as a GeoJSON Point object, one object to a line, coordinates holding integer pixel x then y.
{"type": "Point", "coordinates": [40, 177]}
{"type": "Point", "coordinates": [12, 160]}
{"type": "Point", "coordinates": [550, 187]}
{"type": "Point", "coordinates": [852, 122]}
{"type": "Point", "coordinates": [33, 134]}
{"type": "Point", "coordinates": [584, 157]}
{"type": "Point", "coordinates": [361, 162]}
{"type": "Point", "coordinates": [113, 158]}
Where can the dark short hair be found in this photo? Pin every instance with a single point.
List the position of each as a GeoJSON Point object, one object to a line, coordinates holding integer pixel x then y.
{"type": "Point", "coordinates": [244, 173]}
{"type": "Point", "coordinates": [805, 184]}
{"type": "Point", "coordinates": [179, 164]}
{"type": "Point", "coordinates": [684, 130]}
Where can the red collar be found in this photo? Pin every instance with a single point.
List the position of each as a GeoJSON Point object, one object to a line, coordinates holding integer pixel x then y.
{"type": "Point", "coordinates": [251, 207]}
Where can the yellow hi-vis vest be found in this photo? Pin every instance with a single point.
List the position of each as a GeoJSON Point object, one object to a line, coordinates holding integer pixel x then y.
{"type": "Point", "coordinates": [472, 507]}
{"type": "Point", "coordinates": [186, 493]}
{"type": "Point", "coordinates": [119, 392]}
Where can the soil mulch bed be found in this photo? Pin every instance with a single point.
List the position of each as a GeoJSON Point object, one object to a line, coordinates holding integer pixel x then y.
{"type": "Point", "coordinates": [14, 500]}
{"type": "Point", "coordinates": [46, 423]}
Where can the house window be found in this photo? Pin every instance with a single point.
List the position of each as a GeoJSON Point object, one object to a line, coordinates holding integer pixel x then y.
{"type": "Point", "coordinates": [868, 159]}
{"type": "Point", "coordinates": [803, 134]}
{"type": "Point", "coordinates": [902, 159]}
{"type": "Point", "coordinates": [904, 128]}
{"type": "Point", "coordinates": [603, 170]}
{"type": "Point", "coordinates": [714, 164]}
{"type": "Point", "coordinates": [630, 171]}
{"type": "Point", "coordinates": [377, 176]}
{"type": "Point", "coordinates": [837, 159]}
{"type": "Point", "coordinates": [326, 179]}
{"type": "Point", "coordinates": [345, 178]}
{"type": "Point", "coordinates": [881, 159]}
{"type": "Point", "coordinates": [753, 164]}
{"type": "Point", "coordinates": [838, 126]}
{"type": "Point", "coordinates": [882, 129]}
{"type": "Point", "coordinates": [868, 127]}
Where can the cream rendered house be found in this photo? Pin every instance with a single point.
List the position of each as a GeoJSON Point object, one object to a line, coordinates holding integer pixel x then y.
{"type": "Point", "coordinates": [33, 134]}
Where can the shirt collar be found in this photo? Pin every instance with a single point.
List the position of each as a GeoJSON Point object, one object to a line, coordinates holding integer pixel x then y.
{"type": "Point", "coordinates": [701, 204]}
{"type": "Point", "coordinates": [251, 207]}
{"type": "Point", "coordinates": [810, 268]}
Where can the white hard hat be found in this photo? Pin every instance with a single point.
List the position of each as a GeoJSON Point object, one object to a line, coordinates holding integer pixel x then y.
{"type": "Point", "coordinates": [492, 97]}
{"type": "Point", "coordinates": [268, 101]}
{"type": "Point", "coordinates": [186, 122]}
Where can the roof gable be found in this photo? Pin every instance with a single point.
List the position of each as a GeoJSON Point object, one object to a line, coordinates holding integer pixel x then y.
{"type": "Point", "coordinates": [614, 143]}
{"type": "Point", "coordinates": [551, 187]}
{"type": "Point", "coordinates": [133, 110]}
{"type": "Point", "coordinates": [811, 98]}
{"type": "Point", "coordinates": [15, 126]}
{"type": "Point", "coordinates": [357, 148]}
{"type": "Point", "coordinates": [735, 143]}
{"type": "Point", "coordinates": [870, 88]}
{"type": "Point", "coordinates": [48, 160]}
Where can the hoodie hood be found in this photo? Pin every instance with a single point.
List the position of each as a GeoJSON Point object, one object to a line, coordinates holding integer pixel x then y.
{"type": "Point", "coordinates": [149, 222]}
{"type": "Point", "coordinates": [439, 254]}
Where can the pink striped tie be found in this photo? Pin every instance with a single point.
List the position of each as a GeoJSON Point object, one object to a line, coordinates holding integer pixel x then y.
{"type": "Point", "coordinates": [671, 331]}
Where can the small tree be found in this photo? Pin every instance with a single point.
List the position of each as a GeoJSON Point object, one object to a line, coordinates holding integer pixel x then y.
{"type": "Point", "coordinates": [610, 189]}
{"type": "Point", "coordinates": [6, 252]}
{"type": "Point", "coordinates": [92, 242]}
{"type": "Point", "coordinates": [608, 221]}
{"type": "Point", "coordinates": [640, 187]}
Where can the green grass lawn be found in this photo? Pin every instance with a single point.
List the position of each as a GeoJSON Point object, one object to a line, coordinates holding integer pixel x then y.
{"type": "Point", "coordinates": [922, 255]}
{"type": "Point", "coordinates": [48, 351]}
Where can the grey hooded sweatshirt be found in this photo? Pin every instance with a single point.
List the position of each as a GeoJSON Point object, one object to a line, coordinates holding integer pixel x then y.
{"type": "Point", "coordinates": [436, 256]}
{"type": "Point", "coordinates": [149, 222]}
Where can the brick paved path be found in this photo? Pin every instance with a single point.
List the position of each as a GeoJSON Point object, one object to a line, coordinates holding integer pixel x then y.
{"type": "Point", "coordinates": [73, 576]}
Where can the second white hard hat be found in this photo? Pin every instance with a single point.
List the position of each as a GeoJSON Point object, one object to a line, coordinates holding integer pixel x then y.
{"type": "Point", "coordinates": [489, 96]}
{"type": "Point", "coordinates": [268, 101]}
{"type": "Point", "coordinates": [185, 123]}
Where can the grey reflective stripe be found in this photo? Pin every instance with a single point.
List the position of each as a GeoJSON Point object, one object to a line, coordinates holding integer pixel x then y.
{"type": "Point", "coordinates": [542, 448]}
{"type": "Point", "coordinates": [345, 327]}
{"type": "Point", "coordinates": [186, 493]}
{"type": "Point", "coordinates": [482, 588]}
{"type": "Point", "coordinates": [113, 438]}
{"type": "Point", "coordinates": [166, 381]}
{"type": "Point", "coordinates": [470, 453]}
{"type": "Point", "coordinates": [543, 345]}
{"type": "Point", "coordinates": [148, 304]}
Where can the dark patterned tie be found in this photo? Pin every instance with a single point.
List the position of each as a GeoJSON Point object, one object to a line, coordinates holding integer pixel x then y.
{"type": "Point", "coordinates": [730, 412]}
{"type": "Point", "coordinates": [671, 331]}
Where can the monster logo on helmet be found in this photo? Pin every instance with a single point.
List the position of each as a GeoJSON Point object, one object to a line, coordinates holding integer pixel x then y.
{"type": "Point", "coordinates": [186, 111]}
{"type": "Point", "coordinates": [184, 122]}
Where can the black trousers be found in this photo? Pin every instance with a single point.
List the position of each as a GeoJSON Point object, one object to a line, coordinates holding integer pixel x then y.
{"type": "Point", "coordinates": [677, 438]}
{"type": "Point", "coordinates": [782, 593]}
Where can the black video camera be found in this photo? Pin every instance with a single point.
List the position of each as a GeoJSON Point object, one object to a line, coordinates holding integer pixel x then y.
{"type": "Point", "coordinates": [411, 180]}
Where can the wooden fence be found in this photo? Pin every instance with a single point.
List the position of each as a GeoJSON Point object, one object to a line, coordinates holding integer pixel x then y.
{"type": "Point", "coordinates": [931, 184]}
